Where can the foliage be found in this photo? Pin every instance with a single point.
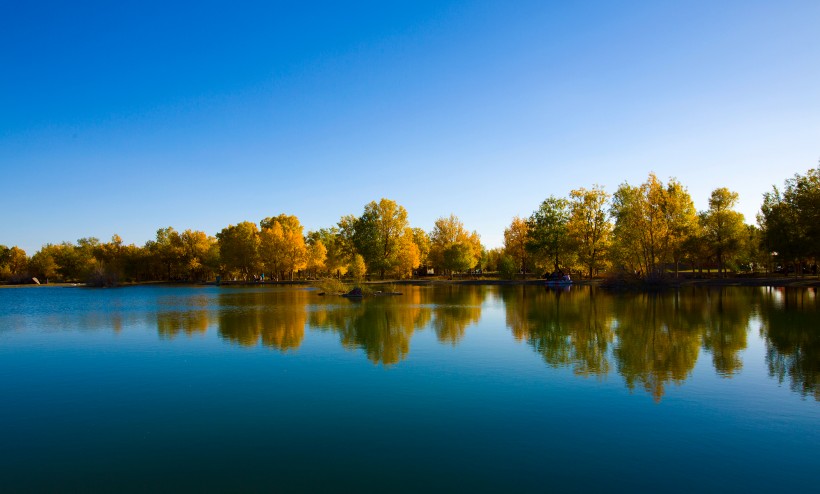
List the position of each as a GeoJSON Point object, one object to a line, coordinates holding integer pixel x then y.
{"type": "Point", "coordinates": [723, 227]}
{"type": "Point", "coordinates": [357, 268]}
{"type": "Point", "coordinates": [790, 220]}
{"type": "Point", "coordinates": [589, 228]}
{"type": "Point", "coordinates": [447, 233]}
{"type": "Point", "coordinates": [506, 267]}
{"type": "Point", "coordinates": [239, 249]}
{"type": "Point", "coordinates": [515, 243]}
{"type": "Point", "coordinates": [547, 236]}
{"type": "Point", "coordinates": [652, 225]}
{"type": "Point", "coordinates": [377, 235]}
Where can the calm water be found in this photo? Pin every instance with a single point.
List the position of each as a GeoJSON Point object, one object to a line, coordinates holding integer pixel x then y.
{"type": "Point", "coordinates": [443, 388]}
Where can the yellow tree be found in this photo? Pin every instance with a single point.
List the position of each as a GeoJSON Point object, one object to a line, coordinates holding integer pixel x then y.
{"type": "Point", "coordinates": [239, 248]}
{"type": "Point", "coordinates": [17, 262]}
{"type": "Point", "coordinates": [408, 256]}
{"type": "Point", "coordinates": [357, 268]}
{"type": "Point", "coordinates": [515, 243]}
{"type": "Point", "coordinates": [196, 249]}
{"type": "Point", "coordinates": [271, 250]}
{"type": "Point", "coordinates": [589, 227]}
{"type": "Point", "coordinates": [285, 247]}
{"type": "Point", "coordinates": [641, 227]}
{"type": "Point", "coordinates": [316, 256]}
{"type": "Point", "coordinates": [422, 241]}
{"type": "Point", "coordinates": [452, 246]}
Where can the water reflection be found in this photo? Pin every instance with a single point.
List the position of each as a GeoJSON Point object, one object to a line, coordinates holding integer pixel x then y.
{"type": "Point", "coordinates": [274, 318]}
{"type": "Point", "coordinates": [456, 308]}
{"type": "Point", "coordinates": [183, 315]}
{"type": "Point", "coordinates": [568, 328]}
{"type": "Point", "coordinates": [790, 319]}
{"type": "Point", "coordinates": [651, 340]}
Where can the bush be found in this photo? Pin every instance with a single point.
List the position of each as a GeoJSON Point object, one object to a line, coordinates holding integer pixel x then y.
{"type": "Point", "coordinates": [507, 268]}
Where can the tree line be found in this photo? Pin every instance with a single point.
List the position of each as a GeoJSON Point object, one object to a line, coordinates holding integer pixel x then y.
{"type": "Point", "coordinates": [649, 230]}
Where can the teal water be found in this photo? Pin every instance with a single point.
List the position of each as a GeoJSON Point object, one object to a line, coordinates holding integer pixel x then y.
{"type": "Point", "coordinates": [482, 389]}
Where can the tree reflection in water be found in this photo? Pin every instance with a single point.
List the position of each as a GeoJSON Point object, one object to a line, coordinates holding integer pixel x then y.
{"type": "Point", "coordinates": [651, 339]}
{"type": "Point", "coordinates": [381, 326]}
{"type": "Point", "coordinates": [188, 315]}
{"type": "Point", "coordinates": [276, 318]}
{"type": "Point", "coordinates": [790, 322]}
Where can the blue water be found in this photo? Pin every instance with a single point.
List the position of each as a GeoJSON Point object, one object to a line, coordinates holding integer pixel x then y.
{"type": "Point", "coordinates": [195, 389]}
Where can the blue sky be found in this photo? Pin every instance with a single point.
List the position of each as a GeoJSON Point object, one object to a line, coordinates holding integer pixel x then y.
{"type": "Point", "coordinates": [127, 118]}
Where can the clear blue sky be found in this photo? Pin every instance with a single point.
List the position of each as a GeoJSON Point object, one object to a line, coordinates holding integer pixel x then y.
{"type": "Point", "coordinates": [120, 118]}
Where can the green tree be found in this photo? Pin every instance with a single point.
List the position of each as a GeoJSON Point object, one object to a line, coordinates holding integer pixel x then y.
{"type": "Point", "coordinates": [377, 234]}
{"type": "Point", "coordinates": [789, 219]}
{"type": "Point", "coordinates": [547, 233]}
{"type": "Point", "coordinates": [724, 228]}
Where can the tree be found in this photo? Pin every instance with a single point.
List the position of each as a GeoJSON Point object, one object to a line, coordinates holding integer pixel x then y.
{"type": "Point", "coordinates": [288, 249]}
{"type": "Point", "coordinates": [652, 225]}
{"type": "Point", "coordinates": [589, 227]}
{"type": "Point", "coordinates": [547, 233]}
{"type": "Point", "coordinates": [448, 232]}
{"type": "Point", "coordinates": [682, 221]}
{"type": "Point", "coordinates": [515, 243]}
{"type": "Point", "coordinates": [197, 248]}
{"type": "Point", "coordinates": [336, 256]}
{"type": "Point", "coordinates": [724, 228]}
{"type": "Point", "coordinates": [458, 257]}
{"type": "Point", "coordinates": [357, 268]}
{"type": "Point", "coordinates": [239, 248]}
{"type": "Point", "coordinates": [408, 256]}
{"type": "Point", "coordinates": [316, 256]}
{"type": "Point", "coordinates": [422, 241]}
{"type": "Point", "coordinates": [377, 234]}
{"type": "Point", "coordinates": [43, 263]}
{"type": "Point", "coordinates": [15, 263]}
{"type": "Point", "coordinates": [789, 219]}
{"type": "Point", "coordinates": [169, 251]}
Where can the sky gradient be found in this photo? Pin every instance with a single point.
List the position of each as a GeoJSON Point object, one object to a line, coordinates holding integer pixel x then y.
{"type": "Point", "coordinates": [127, 118]}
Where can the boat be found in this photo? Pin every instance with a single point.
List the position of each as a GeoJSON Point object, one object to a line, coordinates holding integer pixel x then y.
{"type": "Point", "coordinates": [562, 281]}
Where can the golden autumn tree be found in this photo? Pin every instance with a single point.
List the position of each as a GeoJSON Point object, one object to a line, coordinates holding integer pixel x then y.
{"type": "Point", "coordinates": [515, 243]}
{"type": "Point", "coordinates": [283, 248]}
{"type": "Point", "coordinates": [407, 256]}
{"type": "Point", "coordinates": [653, 223]}
{"type": "Point", "coordinates": [239, 248]}
{"type": "Point", "coordinates": [589, 227]}
{"type": "Point", "coordinates": [316, 257]}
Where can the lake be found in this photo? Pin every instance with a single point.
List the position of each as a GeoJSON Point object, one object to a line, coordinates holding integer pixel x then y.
{"type": "Point", "coordinates": [467, 388]}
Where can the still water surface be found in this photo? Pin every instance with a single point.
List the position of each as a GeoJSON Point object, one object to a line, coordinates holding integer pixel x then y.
{"type": "Point", "coordinates": [444, 388]}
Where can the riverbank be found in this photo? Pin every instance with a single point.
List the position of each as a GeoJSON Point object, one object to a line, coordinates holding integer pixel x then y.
{"type": "Point", "coordinates": [772, 281]}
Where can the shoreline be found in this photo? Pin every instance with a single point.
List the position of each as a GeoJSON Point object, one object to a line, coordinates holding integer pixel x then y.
{"type": "Point", "coordinates": [762, 281]}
